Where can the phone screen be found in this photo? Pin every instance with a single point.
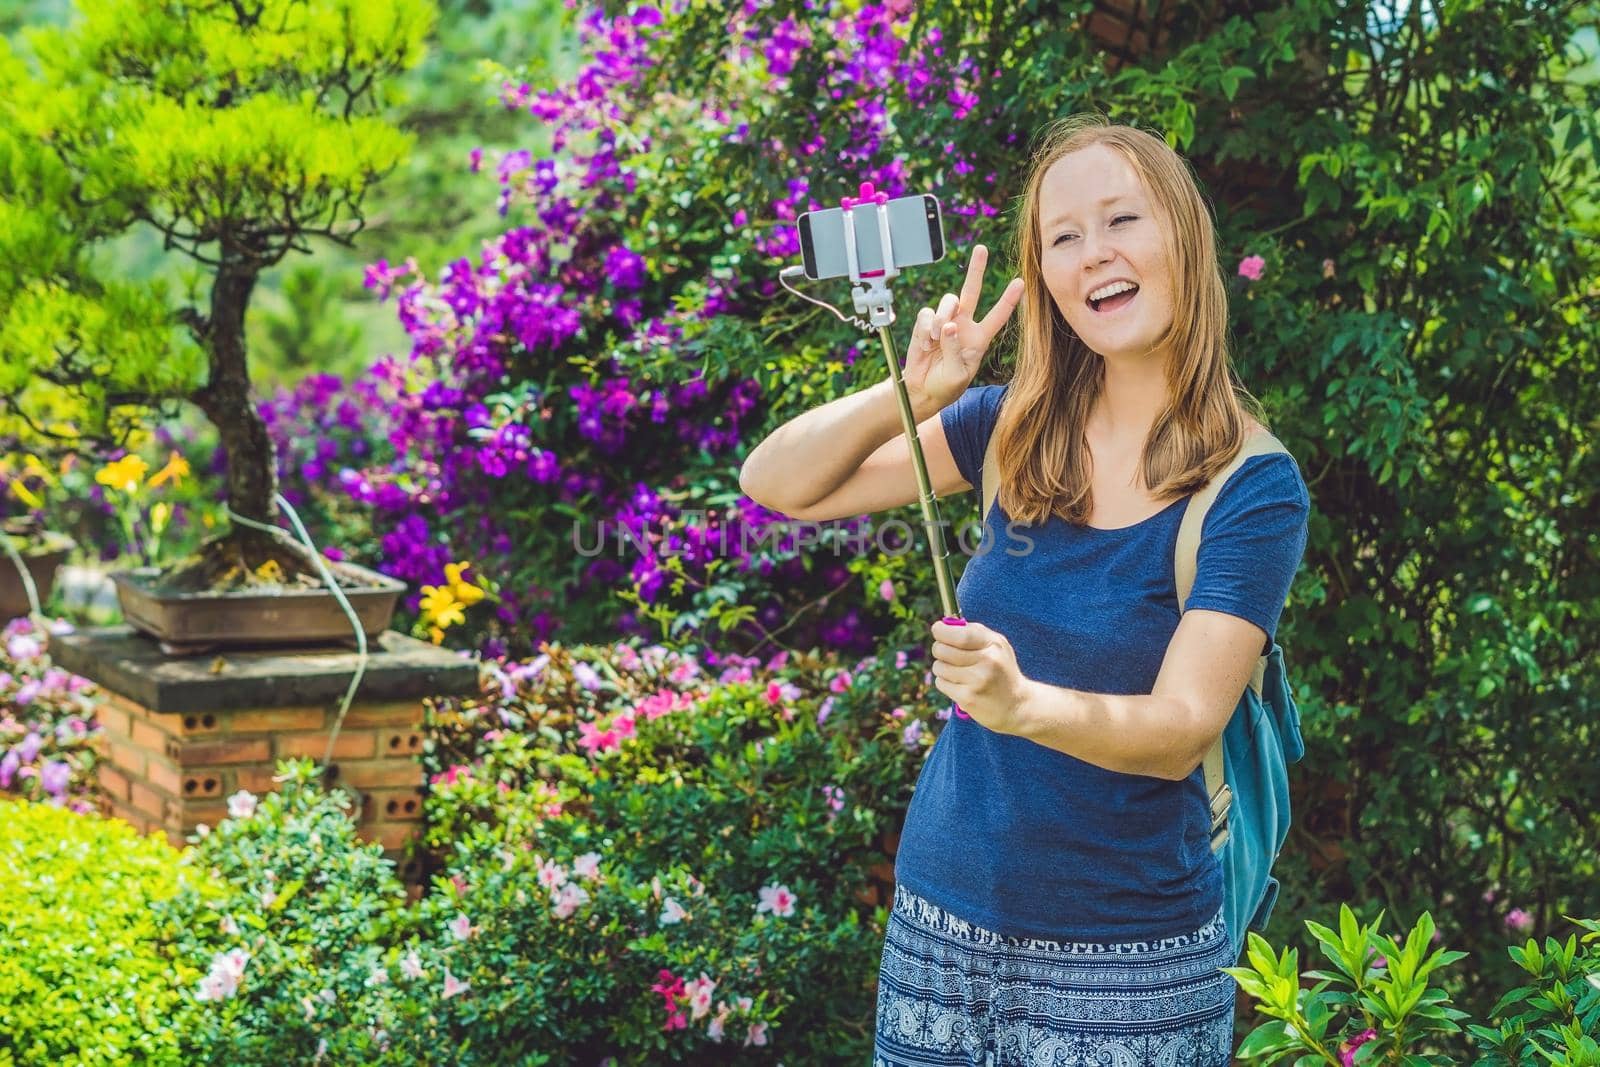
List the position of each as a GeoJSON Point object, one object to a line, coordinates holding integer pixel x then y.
{"type": "Point", "coordinates": [916, 234]}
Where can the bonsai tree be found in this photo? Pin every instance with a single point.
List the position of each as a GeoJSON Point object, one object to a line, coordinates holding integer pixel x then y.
{"type": "Point", "coordinates": [235, 131]}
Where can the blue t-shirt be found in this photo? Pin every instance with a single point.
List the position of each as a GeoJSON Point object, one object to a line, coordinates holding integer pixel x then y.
{"type": "Point", "coordinates": [1029, 841]}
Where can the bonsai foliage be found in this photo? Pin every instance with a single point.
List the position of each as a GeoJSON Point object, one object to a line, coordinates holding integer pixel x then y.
{"type": "Point", "coordinates": [236, 131]}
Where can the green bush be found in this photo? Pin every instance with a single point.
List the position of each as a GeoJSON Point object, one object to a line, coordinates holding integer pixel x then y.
{"type": "Point", "coordinates": [83, 979]}
{"type": "Point", "coordinates": [1381, 1003]}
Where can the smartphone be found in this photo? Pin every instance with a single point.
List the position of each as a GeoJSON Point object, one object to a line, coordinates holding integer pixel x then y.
{"type": "Point", "coordinates": [916, 236]}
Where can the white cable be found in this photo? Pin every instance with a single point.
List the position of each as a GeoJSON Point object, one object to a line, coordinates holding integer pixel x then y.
{"type": "Point", "coordinates": [794, 272]}
{"type": "Point", "coordinates": [338, 594]}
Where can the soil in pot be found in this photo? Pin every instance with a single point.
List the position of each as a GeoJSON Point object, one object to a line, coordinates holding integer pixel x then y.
{"type": "Point", "coordinates": [234, 564]}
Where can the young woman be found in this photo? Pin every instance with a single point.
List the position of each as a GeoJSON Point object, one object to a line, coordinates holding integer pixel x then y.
{"type": "Point", "coordinates": [1057, 899]}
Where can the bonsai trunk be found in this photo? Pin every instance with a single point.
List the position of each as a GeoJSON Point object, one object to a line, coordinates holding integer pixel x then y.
{"type": "Point", "coordinates": [231, 559]}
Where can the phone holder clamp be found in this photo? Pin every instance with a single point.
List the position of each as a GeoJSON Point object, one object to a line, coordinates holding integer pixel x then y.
{"type": "Point", "coordinates": [870, 289]}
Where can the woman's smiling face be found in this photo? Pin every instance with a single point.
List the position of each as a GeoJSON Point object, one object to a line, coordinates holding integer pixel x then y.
{"type": "Point", "coordinates": [1098, 225]}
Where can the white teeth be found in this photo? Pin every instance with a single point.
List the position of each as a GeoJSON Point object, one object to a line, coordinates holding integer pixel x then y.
{"type": "Point", "coordinates": [1112, 290]}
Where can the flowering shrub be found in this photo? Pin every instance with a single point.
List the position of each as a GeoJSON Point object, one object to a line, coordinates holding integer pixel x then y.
{"type": "Point", "coordinates": [47, 723]}
{"type": "Point", "coordinates": [1378, 1004]}
{"type": "Point", "coordinates": [707, 828]}
{"type": "Point", "coordinates": [589, 377]}
{"type": "Point", "coordinates": [279, 945]}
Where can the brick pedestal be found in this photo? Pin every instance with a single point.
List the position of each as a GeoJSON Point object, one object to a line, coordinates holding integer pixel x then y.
{"type": "Point", "coordinates": [181, 735]}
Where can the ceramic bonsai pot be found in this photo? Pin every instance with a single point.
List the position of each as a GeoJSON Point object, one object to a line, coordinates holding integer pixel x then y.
{"type": "Point", "coordinates": [42, 559]}
{"type": "Point", "coordinates": [188, 623]}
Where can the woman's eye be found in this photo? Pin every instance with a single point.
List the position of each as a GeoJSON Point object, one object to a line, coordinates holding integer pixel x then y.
{"type": "Point", "coordinates": [1119, 218]}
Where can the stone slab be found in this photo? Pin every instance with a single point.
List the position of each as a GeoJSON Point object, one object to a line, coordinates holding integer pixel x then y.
{"type": "Point", "coordinates": [131, 664]}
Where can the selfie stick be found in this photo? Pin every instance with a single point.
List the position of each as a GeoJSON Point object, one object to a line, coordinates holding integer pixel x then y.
{"type": "Point", "coordinates": [873, 299]}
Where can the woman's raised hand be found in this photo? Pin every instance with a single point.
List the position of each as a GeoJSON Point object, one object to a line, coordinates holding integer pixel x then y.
{"type": "Point", "coordinates": [947, 344]}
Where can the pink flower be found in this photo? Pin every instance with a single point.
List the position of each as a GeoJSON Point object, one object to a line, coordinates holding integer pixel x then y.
{"type": "Point", "coordinates": [839, 682]}
{"type": "Point", "coordinates": [453, 985]}
{"type": "Point", "coordinates": [411, 965]}
{"type": "Point", "coordinates": [777, 899]}
{"type": "Point", "coordinates": [1347, 1049]}
{"type": "Point", "coordinates": [886, 589]}
{"type": "Point", "coordinates": [1519, 920]}
{"type": "Point", "coordinates": [552, 875]}
{"type": "Point", "coordinates": [592, 739]}
{"type": "Point", "coordinates": [1250, 267]}
{"type": "Point", "coordinates": [672, 912]}
{"type": "Point", "coordinates": [461, 926]}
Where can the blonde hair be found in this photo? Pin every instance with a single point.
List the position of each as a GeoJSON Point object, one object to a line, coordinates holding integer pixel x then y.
{"type": "Point", "coordinates": [1040, 443]}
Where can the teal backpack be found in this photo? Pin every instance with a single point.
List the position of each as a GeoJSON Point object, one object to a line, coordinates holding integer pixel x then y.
{"type": "Point", "coordinates": [1247, 770]}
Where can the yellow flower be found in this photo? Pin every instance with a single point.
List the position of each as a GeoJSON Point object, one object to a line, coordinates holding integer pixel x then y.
{"type": "Point", "coordinates": [463, 591]}
{"type": "Point", "coordinates": [159, 514]}
{"type": "Point", "coordinates": [270, 571]}
{"type": "Point", "coordinates": [436, 634]}
{"type": "Point", "coordinates": [440, 606]}
{"type": "Point", "coordinates": [177, 468]}
{"type": "Point", "coordinates": [124, 474]}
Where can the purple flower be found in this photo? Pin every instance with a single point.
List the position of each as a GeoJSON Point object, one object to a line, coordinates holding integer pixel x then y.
{"type": "Point", "coordinates": [625, 267]}
{"type": "Point", "coordinates": [29, 749]}
{"type": "Point", "coordinates": [1519, 920]}
{"type": "Point", "coordinates": [1347, 1049]}
{"type": "Point", "coordinates": [55, 776]}
{"type": "Point", "coordinates": [912, 734]}
{"type": "Point", "coordinates": [8, 768]}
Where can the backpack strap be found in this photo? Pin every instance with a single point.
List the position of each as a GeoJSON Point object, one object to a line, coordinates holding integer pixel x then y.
{"type": "Point", "coordinates": [1185, 556]}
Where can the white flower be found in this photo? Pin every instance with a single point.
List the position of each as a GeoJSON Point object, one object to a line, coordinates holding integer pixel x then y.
{"type": "Point", "coordinates": [699, 991]}
{"type": "Point", "coordinates": [461, 926]}
{"type": "Point", "coordinates": [569, 898]}
{"type": "Point", "coordinates": [230, 927]}
{"type": "Point", "coordinates": [587, 866]}
{"type": "Point", "coordinates": [776, 899]}
{"type": "Point", "coordinates": [267, 897]}
{"type": "Point", "coordinates": [672, 912]}
{"type": "Point", "coordinates": [227, 968]}
{"type": "Point", "coordinates": [242, 804]}
{"type": "Point", "coordinates": [379, 976]}
{"type": "Point", "coordinates": [758, 1034]}
{"type": "Point", "coordinates": [411, 965]}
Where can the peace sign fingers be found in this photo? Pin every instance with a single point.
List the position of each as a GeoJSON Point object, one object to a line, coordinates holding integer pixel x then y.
{"type": "Point", "coordinates": [972, 289]}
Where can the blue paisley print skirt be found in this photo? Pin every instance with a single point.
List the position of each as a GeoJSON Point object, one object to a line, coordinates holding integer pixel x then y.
{"type": "Point", "coordinates": [951, 993]}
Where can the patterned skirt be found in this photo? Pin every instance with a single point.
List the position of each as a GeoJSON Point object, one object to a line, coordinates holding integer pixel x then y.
{"type": "Point", "coordinates": [950, 993]}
